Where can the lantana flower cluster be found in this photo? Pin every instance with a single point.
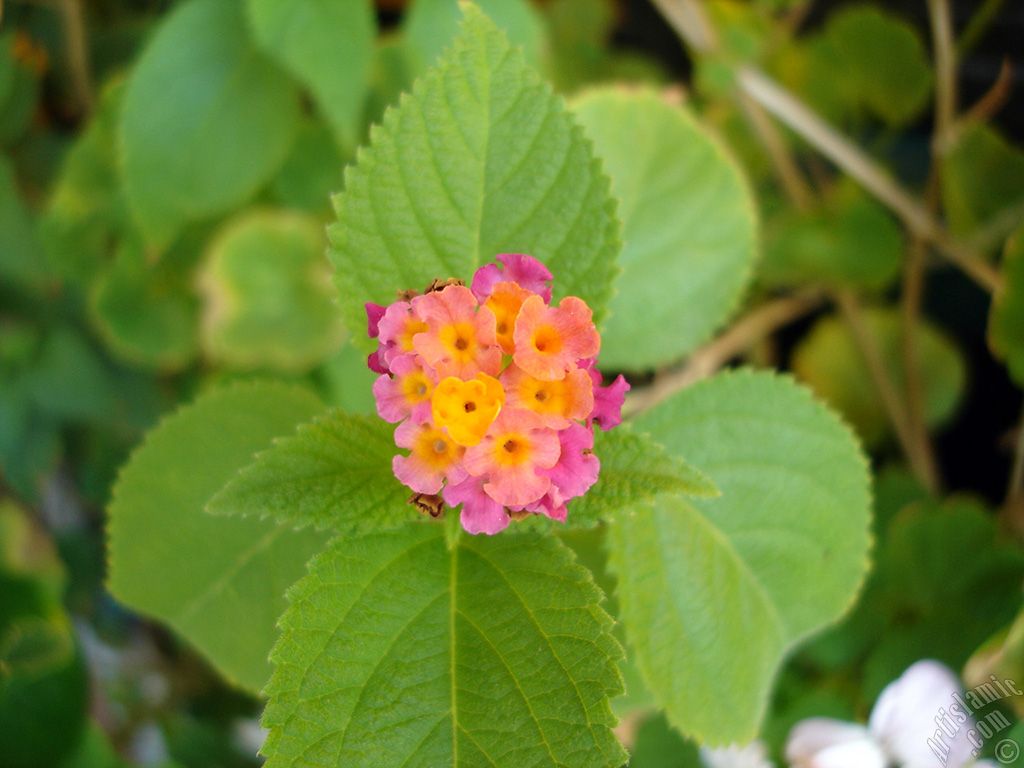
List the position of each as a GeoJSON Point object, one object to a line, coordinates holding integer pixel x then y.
{"type": "Point", "coordinates": [495, 393]}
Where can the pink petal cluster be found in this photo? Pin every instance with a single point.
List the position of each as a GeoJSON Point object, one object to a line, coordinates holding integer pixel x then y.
{"type": "Point", "coordinates": [511, 379]}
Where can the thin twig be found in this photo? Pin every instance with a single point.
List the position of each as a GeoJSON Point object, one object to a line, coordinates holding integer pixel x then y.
{"type": "Point", "coordinates": [941, 19]}
{"type": "Point", "coordinates": [911, 300]}
{"type": "Point", "coordinates": [78, 53]}
{"type": "Point", "coordinates": [912, 296]}
{"type": "Point", "coordinates": [1015, 488]}
{"type": "Point", "coordinates": [744, 333]}
{"type": "Point", "coordinates": [852, 313]}
{"type": "Point", "coordinates": [983, 110]}
{"type": "Point", "coordinates": [792, 178]}
{"type": "Point", "coordinates": [841, 151]}
{"type": "Point", "coordinates": [688, 19]}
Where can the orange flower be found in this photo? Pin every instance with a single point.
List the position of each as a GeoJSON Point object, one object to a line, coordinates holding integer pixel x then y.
{"type": "Point", "coordinates": [557, 402]}
{"type": "Point", "coordinates": [550, 340]}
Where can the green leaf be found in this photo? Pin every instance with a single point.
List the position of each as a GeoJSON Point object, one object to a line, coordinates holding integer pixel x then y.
{"type": "Point", "coordinates": [206, 119]}
{"type": "Point", "coordinates": [44, 683]}
{"type": "Point", "coordinates": [659, 746]}
{"type": "Point", "coordinates": [334, 473]}
{"type": "Point", "coordinates": [71, 380]}
{"type": "Point", "coordinates": [148, 313]}
{"type": "Point", "coordinates": [397, 651]}
{"type": "Point", "coordinates": [926, 599]}
{"type": "Point", "coordinates": [983, 181]}
{"type": "Point", "coordinates": [22, 263]}
{"type": "Point", "coordinates": [430, 26]}
{"type": "Point", "coordinates": [312, 172]}
{"type": "Point", "coordinates": [688, 224]}
{"type": "Point", "coordinates": [327, 44]}
{"type": "Point", "coordinates": [87, 210]}
{"type": "Point", "coordinates": [714, 592]}
{"type": "Point", "coordinates": [347, 382]}
{"type": "Point", "coordinates": [851, 242]}
{"type": "Point", "coordinates": [19, 89]}
{"type": "Point", "coordinates": [634, 469]}
{"type": "Point", "coordinates": [218, 582]}
{"type": "Point", "coordinates": [829, 360]}
{"type": "Point", "coordinates": [873, 60]}
{"type": "Point", "coordinates": [268, 291]}
{"type": "Point", "coordinates": [1006, 322]}
{"type": "Point", "coordinates": [580, 33]}
{"type": "Point", "coordinates": [480, 159]}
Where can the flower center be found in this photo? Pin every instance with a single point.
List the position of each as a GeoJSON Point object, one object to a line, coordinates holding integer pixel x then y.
{"type": "Point", "coordinates": [467, 408]}
{"type": "Point", "coordinates": [547, 340]}
{"type": "Point", "coordinates": [510, 446]}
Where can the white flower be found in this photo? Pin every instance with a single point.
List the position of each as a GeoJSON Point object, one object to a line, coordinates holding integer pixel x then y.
{"type": "Point", "coordinates": [753, 755]}
{"type": "Point", "coordinates": [917, 722]}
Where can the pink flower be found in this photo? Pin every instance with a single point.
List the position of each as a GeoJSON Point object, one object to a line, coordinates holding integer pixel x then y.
{"type": "Point", "coordinates": [409, 385]}
{"type": "Point", "coordinates": [577, 467]}
{"type": "Point", "coordinates": [608, 402]}
{"type": "Point", "coordinates": [515, 447]}
{"type": "Point", "coordinates": [550, 340]}
{"type": "Point", "coordinates": [374, 312]}
{"type": "Point", "coordinates": [480, 513]}
{"type": "Point", "coordinates": [397, 329]}
{"type": "Point", "coordinates": [459, 339]}
{"type": "Point", "coordinates": [516, 268]}
{"type": "Point", "coordinates": [434, 455]}
{"type": "Point", "coordinates": [548, 506]}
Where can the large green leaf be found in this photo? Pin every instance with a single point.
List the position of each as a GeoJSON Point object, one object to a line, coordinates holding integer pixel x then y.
{"type": "Point", "coordinates": [830, 361]}
{"type": "Point", "coordinates": [397, 651]}
{"type": "Point", "coordinates": [269, 297]}
{"type": "Point", "coordinates": [328, 45]}
{"type": "Point", "coordinates": [688, 225]}
{"type": "Point", "coordinates": [206, 119]}
{"type": "Point", "coordinates": [1006, 323]}
{"type": "Point", "coordinates": [480, 159]}
{"type": "Point", "coordinates": [334, 473]}
{"type": "Point", "coordinates": [714, 592]}
{"type": "Point", "coordinates": [430, 26]}
{"type": "Point", "coordinates": [219, 582]}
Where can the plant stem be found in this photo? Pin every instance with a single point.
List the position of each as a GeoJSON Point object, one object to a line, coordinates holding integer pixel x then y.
{"type": "Point", "coordinates": [78, 53]}
{"type": "Point", "coordinates": [743, 334]}
{"type": "Point", "coordinates": [853, 314]}
{"type": "Point", "coordinates": [688, 19]}
{"type": "Point", "coordinates": [912, 299]}
{"type": "Point", "coordinates": [940, 15]}
{"type": "Point", "coordinates": [792, 178]}
{"type": "Point", "coordinates": [1015, 489]}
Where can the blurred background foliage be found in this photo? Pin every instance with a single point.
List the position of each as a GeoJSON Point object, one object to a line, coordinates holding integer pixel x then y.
{"type": "Point", "coordinates": [166, 171]}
